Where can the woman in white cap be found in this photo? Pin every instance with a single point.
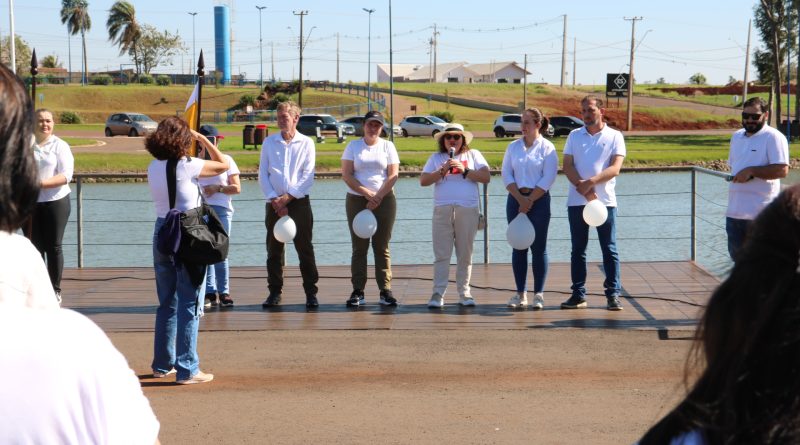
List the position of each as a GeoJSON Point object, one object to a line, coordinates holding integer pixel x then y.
{"type": "Point", "coordinates": [456, 170]}
{"type": "Point", "coordinates": [218, 190]}
{"type": "Point", "coordinates": [369, 168]}
{"type": "Point", "coordinates": [530, 166]}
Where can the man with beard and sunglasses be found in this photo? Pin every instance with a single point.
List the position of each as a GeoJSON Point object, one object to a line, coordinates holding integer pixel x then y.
{"type": "Point", "coordinates": [759, 157]}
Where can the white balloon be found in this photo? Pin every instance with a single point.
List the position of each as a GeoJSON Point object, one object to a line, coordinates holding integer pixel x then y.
{"type": "Point", "coordinates": [364, 224]}
{"type": "Point", "coordinates": [520, 233]}
{"type": "Point", "coordinates": [595, 213]}
{"type": "Point", "coordinates": [285, 229]}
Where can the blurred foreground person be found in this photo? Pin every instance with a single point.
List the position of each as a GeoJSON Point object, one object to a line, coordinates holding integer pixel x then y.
{"type": "Point", "coordinates": [747, 345]}
{"type": "Point", "coordinates": [63, 380]}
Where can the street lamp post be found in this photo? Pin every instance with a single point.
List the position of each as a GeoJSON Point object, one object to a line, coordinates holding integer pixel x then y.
{"type": "Point", "coordinates": [194, 55]}
{"type": "Point", "coordinates": [369, 56]}
{"type": "Point", "coordinates": [260, 49]}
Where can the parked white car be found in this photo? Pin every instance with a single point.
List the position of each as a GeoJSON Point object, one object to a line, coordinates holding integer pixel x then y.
{"type": "Point", "coordinates": [511, 125]}
{"type": "Point", "coordinates": [421, 125]}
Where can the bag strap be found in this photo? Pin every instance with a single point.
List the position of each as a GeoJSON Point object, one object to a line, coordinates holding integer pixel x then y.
{"type": "Point", "coordinates": [477, 187]}
{"type": "Point", "coordinates": [172, 165]}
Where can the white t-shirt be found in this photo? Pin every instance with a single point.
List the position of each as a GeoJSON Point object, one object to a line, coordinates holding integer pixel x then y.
{"type": "Point", "coordinates": [370, 163]}
{"type": "Point", "coordinates": [592, 154]}
{"type": "Point", "coordinates": [529, 167]}
{"type": "Point", "coordinates": [187, 195]}
{"type": "Point", "coordinates": [53, 157]}
{"type": "Point", "coordinates": [767, 146]}
{"type": "Point", "coordinates": [221, 199]}
{"type": "Point", "coordinates": [23, 276]}
{"type": "Point", "coordinates": [65, 383]}
{"type": "Point", "coordinates": [454, 189]}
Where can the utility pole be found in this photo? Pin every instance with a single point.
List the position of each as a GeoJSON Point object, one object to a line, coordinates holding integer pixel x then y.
{"type": "Point", "coordinates": [629, 125]}
{"type": "Point", "coordinates": [272, 60]}
{"type": "Point", "coordinates": [391, 77]}
{"type": "Point", "coordinates": [525, 85]}
{"type": "Point", "coordinates": [337, 57]}
{"type": "Point", "coordinates": [194, 56]}
{"type": "Point", "coordinates": [12, 41]}
{"type": "Point", "coordinates": [260, 50]}
{"type": "Point", "coordinates": [300, 42]}
{"type": "Point", "coordinates": [574, 59]}
{"type": "Point", "coordinates": [746, 62]}
{"type": "Point", "coordinates": [435, 50]}
{"type": "Point", "coordinates": [369, 56]}
{"type": "Point", "coordinates": [564, 54]}
{"type": "Point", "coordinates": [430, 60]}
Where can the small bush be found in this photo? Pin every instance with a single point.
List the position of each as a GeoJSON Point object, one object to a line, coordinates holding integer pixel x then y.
{"type": "Point", "coordinates": [146, 79]}
{"type": "Point", "coordinates": [101, 79]}
{"type": "Point", "coordinates": [247, 99]}
{"type": "Point", "coordinates": [446, 116]}
{"type": "Point", "coordinates": [276, 99]}
{"type": "Point", "coordinates": [70, 117]}
{"type": "Point", "coordinates": [163, 80]}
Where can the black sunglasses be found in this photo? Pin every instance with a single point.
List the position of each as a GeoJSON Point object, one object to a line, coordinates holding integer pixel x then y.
{"type": "Point", "coordinates": [752, 116]}
{"type": "Point", "coordinates": [452, 136]}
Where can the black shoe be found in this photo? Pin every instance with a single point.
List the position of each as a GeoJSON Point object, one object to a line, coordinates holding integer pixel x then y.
{"type": "Point", "coordinates": [225, 300]}
{"type": "Point", "coordinates": [311, 302]}
{"type": "Point", "coordinates": [574, 302]}
{"type": "Point", "coordinates": [613, 304]}
{"type": "Point", "coordinates": [272, 300]}
{"type": "Point", "coordinates": [356, 298]}
{"type": "Point", "coordinates": [387, 299]}
{"type": "Point", "coordinates": [210, 300]}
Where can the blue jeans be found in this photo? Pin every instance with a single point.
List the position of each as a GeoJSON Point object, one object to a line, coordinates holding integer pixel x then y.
{"type": "Point", "coordinates": [177, 316]}
{"type": "Point", "coordinates": [607, 235]}
{"type": "Point", "coordinates": [737, 230]}
{"type": "Point", "coordinates": [218, 275]}
{"type": "Point", "coordinates": [539, 216]}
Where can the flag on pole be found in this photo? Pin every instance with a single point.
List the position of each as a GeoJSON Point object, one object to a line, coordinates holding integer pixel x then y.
{"type": "Point", "coordinates": [192, 114]}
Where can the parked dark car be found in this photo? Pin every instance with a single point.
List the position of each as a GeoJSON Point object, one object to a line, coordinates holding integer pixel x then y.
{"type": "Point", "coordinates": [130, 124]}
{"type": "Point", "coordinates": [308, 124]}
{"type": "Point", "coordinates": [563, 125]}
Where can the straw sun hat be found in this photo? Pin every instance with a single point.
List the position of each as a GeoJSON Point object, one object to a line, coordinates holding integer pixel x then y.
{"type": "Point", "coordinates": [454, 129]}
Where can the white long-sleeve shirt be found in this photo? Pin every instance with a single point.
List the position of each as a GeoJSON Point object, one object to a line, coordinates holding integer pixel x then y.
{"type": "Point", "coordinates": [529, 167]}
{"type": "Point", "coordinates": [286, 167]}
{"type": "Point", "coordinates": [53, 157]}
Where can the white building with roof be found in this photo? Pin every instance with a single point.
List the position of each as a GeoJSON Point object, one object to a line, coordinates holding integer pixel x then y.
{"type": "Point", "coordinates": [455, 72]}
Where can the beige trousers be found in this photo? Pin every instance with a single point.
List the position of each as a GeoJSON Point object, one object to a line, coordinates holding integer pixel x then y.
{"type": "Point", "coordinates": [453, 226]}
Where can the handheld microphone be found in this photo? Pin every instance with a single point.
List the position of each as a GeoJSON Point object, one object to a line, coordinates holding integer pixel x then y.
{"type": "Point", "coordinates": [453, 155]}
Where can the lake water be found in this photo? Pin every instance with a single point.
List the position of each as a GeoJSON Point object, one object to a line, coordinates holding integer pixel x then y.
{"type": "Point", "coordinates": [653, 223]}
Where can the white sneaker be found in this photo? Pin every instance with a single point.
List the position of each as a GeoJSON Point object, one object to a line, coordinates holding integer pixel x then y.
{"type": "Point", "coordinates": [466, 300]}
{"type": "Point", "coordinates": [58, 298]}
{"type": "Point", "coordinates": [436, 301]}
{"type": "Point", "coordinates": [538, 301]}
{"type": "Point", "coordinates": [161, 375]}
{"type": "Point", "coordinates": [200, 377]}
{"type": "Point", "coordinates": [519, 300]}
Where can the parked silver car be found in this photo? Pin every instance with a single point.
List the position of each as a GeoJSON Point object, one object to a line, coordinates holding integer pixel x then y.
{"type": "Point", "coordinates": [131, 124]}
{"type": "Point", "coordinates": [511, 125]}
{"type": "Point", "coordinates": [358, 123]}
{"type": "Point", "coordinates": [421, 125]}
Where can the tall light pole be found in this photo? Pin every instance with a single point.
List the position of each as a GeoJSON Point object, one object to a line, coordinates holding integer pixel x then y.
{"type": "Point", "coordinates": [301, 45]}
{"type": "Point", "coordinates": [369, 56]}
{"type": "Point", "coordinates": [260, 48]}
{"type": "Point", "coordinates": [194, 55]}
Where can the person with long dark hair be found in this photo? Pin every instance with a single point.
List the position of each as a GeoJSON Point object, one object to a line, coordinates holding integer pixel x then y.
{"type": "Point", "coordinates": [747, 344]}
{"type": "Point", "coordinates": [530, 166]}
{"type": "Point", "coordinates": [55, 162]}
{"type": "Point", "coordinates": [456, 170]}
{"type": "Point", "coordinates": [180, 307]}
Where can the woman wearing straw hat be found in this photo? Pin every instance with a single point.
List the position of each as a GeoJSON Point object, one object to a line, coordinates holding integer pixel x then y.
{"type": "Point", "coordinates": [456, 170]}
{"type": "Point", "coordinates": [369, 168]}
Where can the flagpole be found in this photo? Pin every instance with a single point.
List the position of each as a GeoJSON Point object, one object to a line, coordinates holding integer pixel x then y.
{"type": "Point", "coordinates": [200, 80]}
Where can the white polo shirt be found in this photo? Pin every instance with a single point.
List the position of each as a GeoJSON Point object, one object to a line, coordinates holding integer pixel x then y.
{"type": "Point", "coordinates": [768, 146]}
{"type": "Point", "coordinates": [370, 163]}
{"type": "Point", "coordinates": [221, 199]}
{"type": "Point", "coordinates": [592, 154]}
{"type": "Point", "coordinates": [454, 189]}
{"type": "Point", "coordinates": [53, 157]}
{"type": "Point", "coordinates": [529, 167]}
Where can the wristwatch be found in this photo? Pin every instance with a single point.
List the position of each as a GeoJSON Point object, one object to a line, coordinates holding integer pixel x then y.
{"type": "Point", "coordinates": [220, 188]}
{"type": "Point", "coordinates": [466, 170]}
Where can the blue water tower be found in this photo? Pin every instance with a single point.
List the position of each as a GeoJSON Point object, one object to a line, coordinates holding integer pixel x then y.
{"type": "Point", "coordinates": [222, 42]}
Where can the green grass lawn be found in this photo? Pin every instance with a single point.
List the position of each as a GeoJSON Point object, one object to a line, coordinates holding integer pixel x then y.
{"type": "Point", "coordinates": [414, 152]}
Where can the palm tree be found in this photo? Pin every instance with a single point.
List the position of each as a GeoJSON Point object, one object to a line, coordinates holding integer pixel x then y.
{"type": "Point", "coordinates": [75, 14]}
{"type": "Point", "coordinates": [124, 30]}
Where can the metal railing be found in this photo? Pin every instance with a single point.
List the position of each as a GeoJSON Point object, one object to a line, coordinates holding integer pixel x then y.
{"type": "Point", "coordinates": [487, 203]}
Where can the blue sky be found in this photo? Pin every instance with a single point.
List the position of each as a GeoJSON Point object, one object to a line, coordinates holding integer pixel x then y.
{"type": "Point", "coordinates": [678, 38]}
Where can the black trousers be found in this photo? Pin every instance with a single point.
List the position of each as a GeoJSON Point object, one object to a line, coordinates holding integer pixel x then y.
{"type": "Point", "coordinates": [300, 212]}
{"type": "Point", "coordinates": [47, 232]}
